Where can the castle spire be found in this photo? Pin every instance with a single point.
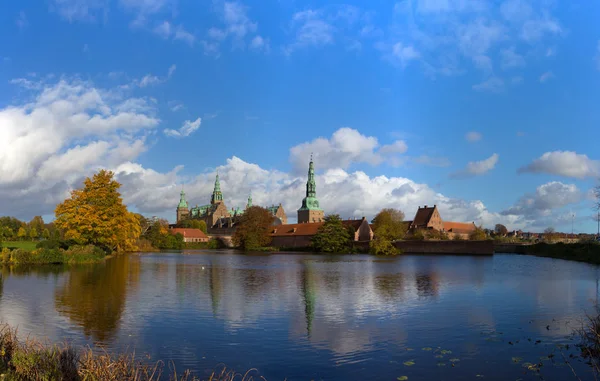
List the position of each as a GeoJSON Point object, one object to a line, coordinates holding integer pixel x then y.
{"type": "Point", "coordinates": [217, 196]}
{"type": "Point", "coordinates": [311, 186]}
{"type": "Point", "coordinates": [249, 204]}
{"type": "Point", "coordinates": [182, 201]}
{"type": "Point", "coordinates": [310, 210]}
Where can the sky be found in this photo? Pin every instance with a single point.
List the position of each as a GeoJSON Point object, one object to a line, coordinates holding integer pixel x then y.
{"type": "Point", "coordinates": [487, 109]}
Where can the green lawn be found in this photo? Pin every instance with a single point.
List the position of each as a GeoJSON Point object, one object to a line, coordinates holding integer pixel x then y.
{"type": "Point", "coordinates": [25, 245]}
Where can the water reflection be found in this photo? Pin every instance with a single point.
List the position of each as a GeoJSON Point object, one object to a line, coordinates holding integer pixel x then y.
{"type": "Point", "coordinates": [322, 316]}
{"type": "Point", "coordinates": [93, 297]}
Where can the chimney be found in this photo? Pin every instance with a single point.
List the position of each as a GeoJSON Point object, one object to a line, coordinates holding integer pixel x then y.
{"type": "Point", "coordinates": [425, 206]}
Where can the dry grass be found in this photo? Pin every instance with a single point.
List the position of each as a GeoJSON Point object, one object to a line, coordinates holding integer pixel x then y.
{"type": "Point", "coordinates": [31, 360]}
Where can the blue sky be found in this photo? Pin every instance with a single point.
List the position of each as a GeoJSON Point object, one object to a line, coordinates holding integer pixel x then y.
{"type": "Point", "coordinates": [395, 99]}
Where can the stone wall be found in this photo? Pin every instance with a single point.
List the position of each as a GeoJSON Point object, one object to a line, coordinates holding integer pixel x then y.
{"type": "Point", "coordinates": [511, 248]}
{"type": "Point", "coordinates": [446, 247]}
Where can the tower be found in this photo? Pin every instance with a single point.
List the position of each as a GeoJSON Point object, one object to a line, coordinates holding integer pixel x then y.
{"type": "Point", "coordinates": [249, 204]}
{"type": "Point", "coordinates": [217, 196]}
{"type": "Point", "coordinates": [182, 209]}
{"type": "Point", "coordinates": [310, 210]}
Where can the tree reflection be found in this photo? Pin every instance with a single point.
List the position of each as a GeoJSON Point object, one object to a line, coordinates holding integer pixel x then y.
{"type": "Point", "coordinates": [309, 293]}
{"type": "Point", "coordinates": [94, 296]}
{"type": "Point", "coordinates": [389, 286]}
{"type": "Point", "coordinates": [215, 279]}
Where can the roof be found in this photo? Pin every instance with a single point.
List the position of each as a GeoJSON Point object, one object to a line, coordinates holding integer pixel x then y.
{"type": "Point", "coordinates": [423, 215]}
{"type": "Point", "coordinates": [189, 233]}
{"type": "Point", "coordinates": [459, 226]}
{"type": "Point", "coordinates": [296, 229]}
{"type": "Point", "coordinates": [307, 229]}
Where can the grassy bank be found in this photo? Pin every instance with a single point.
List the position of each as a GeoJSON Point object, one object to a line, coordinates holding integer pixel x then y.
{"type": "Point", "coordinates": [24, 245]}
{"type": "Point", "coordinates": [40, 256]}
{"type": "Point", "coordinates": [32, 360]}
{"type": "Point", "coordinates": [582, 252]}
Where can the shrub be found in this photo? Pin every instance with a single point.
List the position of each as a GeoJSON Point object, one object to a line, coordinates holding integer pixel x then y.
{"type": "Point", "coordinates": [48, 244]}
{"type": "Point", "coordinates": [6, 255]}
{"type": "Point", "coordinates": [84, 254]}
{"type": "Point", "coordinates": [20, 256]}
{"type": "Point", "coordinates": [50, 256]}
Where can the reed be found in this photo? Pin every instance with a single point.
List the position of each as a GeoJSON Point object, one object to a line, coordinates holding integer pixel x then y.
{"type": "Point", "coordinates": [33, 360]}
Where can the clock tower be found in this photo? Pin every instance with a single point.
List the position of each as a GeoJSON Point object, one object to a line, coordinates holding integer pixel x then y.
{"type": "Point", "coordinates": [310, 210]}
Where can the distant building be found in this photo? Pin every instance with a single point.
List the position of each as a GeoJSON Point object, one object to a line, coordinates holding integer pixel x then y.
{"type": "Point", "coordinates": [216, 214]}
{"type": "Point", "coordinates": [191, 235]}
{"type": "Point", "coordinates": [429, 218]}
{"type": "Point", "coordinates": [310, 210]}
{"type": "Point", "coordinates": [300, 235]}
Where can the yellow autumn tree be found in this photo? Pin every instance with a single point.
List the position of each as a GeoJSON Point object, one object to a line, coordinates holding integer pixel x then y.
{"type": "Point", "coordinates": [95, 215]}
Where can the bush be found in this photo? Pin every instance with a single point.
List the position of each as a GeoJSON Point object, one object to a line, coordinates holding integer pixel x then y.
{"type": "Point", "coordinates": [48, 244]}
{"type": "Point", "coordinates": [20, 256]}
{"type": "Point", "coordinates": [50, 256]}
{"type": "Point", "coordinates": [84, 254]}
{"type": "Point", "coordinates": [6, 255]}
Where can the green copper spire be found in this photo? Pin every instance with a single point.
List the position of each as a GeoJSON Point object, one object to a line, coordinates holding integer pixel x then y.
{"type": "Point", "coordinates": [182, 202]}
{"type": "Point", "coordinates": [310, 202]}
{"type": "Point", "coordinates": [217, 196]}
{"type": "Point", "coordinates": [249, 201]}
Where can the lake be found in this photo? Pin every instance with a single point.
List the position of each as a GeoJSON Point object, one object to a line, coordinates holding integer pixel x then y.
{"type": "Point", "coordinates": [317, 317]}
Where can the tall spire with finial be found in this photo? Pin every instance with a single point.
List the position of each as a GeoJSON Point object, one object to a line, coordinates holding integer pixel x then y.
{"type": "Point", "coordinates": [217, 196]}
{"type": "Point", "coordinates": [182, 201]}
{"type": "Point", "coordinates": [249, 204]}
{"type": "Point", "coordinates": [310, 210]}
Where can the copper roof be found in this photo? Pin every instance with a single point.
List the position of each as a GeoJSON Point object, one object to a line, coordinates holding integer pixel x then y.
{"type": "Point", "coordinates": [189, 233]}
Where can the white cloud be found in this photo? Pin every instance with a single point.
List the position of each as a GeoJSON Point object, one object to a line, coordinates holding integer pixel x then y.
{"type": "Point", "coordinates": [175, 106]}
{"type": "Point", "coordinates": [153, 80]}
{"type": "Point", "coordinates": [492, 85]}
{"type": "Point", "coordinates": [166, 30]}
{"type": "Point", "coordinates": [404, 54]}
{"type": "Point", "coordinates": [473, 136]}
{"type": "Point", "coordinates": [259, 43]}
{"type": "Point", "coordinates": [22, 21]}
{"type": "Point", "coordinates": [564, 163]}
{"type": "Point", "coordinates": [510, 59]}
{"type": "Point", "coordinates": [450, 34]}
{"type": "Point", "coordinates": [399, 146]}
{"type": "Point", "coordinates": [477, 168]}
{"type": "Point", "coordinates": [68, 129]}
{"type": "Point", "coordinates": [172, 69]}
{"type": "Point", "coordinates": [146, 7]}
{"type": "Point", "coordinates": [79, 10]}
{"type": "Point", "coordinates": [330, 25]}
{"type": "Point", "coordinates": [546, 76]}
{"type": "Point", "coordinates": [186, 130]}
{"type": "Point", "coordinates": [543, 206]}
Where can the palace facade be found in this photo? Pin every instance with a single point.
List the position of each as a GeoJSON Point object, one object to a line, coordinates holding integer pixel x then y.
{"type": "Point", "coordinates": [217, 215]}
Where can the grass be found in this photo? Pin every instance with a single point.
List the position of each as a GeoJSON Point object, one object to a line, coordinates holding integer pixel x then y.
{"type": "Point", "coordinates": [25, 245]}
{"type": "Point", "coordinates": [33, 360]}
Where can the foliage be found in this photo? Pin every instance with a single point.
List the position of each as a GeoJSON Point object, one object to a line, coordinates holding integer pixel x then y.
{"type": "Point", "coordinates": [437, 235]}
{"type": "Point", "coordinates": [388, 226]}
{"type": "Point", "coordinates": [25, 245]}
{"type": "Point", "coordinates": [500, 229]}
{"type": "Point", "coordinates": [96, 215]}
{"type": "Point", "coordinates": [84, 254]}
{"type": "Point", "coordinates": [332, 236]}
{"type": "Point", "coordinates": [32, 360]}
{"type": "Point", "coordinates": [56, 235]}
{"type": "Point", "coordinates": [33, 234]}
{"type": "Point", "coordinates": [418, 235]}
{"type": "Point", "coordinates": [22, 234]}
{"type": "Point", "coordinates": [46, 234]}
{"type": "Point", "coordinates": [458, 237]}
{"type": "Point", "coordinates": [550, 235]}
{"type": "Point", "coordinates": [253, 229]}
{"type": "Point", "coordinates": [478, 234]}
{"type": "Point", "coordinates": [48, 245]}
{"type": "Point", "coordinates": [194, 224]}
{"type": "Point", "coordinates": [160, 237]}
{"type": "Point", "coordinates": [582, 252]}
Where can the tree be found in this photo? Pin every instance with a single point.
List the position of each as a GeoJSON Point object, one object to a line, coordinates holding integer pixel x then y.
{"type": "Point", "coordinates": [478, 234]}
{"type": "Point", "coordinates": [37, 223]}
{"type": "Point", "coordinates": [550, 235]}
{"type": "Point", "coordinates": [332, 236]}
{"type": "Point", "coordinates": [46, 234]}
{"type": "Point", "coordinates": [95, 214]}
{"type": "Point", "coordinates": [253, 229]}
{"type": "Point", "coordinates": [194, 224]}
{"type": "Point", "coordinates": [388, 226]}
{"type": "Point", "coordinates": [500, 229]}
{"type": "Point", "coordinates": [33, 234]}
{"type": "Point", "coordinates": [22, 234]}
{"type": "Point", "coordinates": [56, 235]}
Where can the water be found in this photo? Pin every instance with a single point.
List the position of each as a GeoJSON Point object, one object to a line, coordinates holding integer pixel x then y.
{"type": "Point", "coordinates": [313, 317]}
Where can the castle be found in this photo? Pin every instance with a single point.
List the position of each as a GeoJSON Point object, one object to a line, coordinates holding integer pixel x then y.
{"type": "Point", "coordinates": [216, 214]}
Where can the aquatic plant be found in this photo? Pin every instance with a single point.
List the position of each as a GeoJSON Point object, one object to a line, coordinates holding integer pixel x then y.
{"type": "Point", "coordinates": [34, 360]}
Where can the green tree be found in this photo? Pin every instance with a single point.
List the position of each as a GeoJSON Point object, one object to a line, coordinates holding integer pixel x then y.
{"type": "Point", "coordinates": [194, 224]}
{"type": "Point", "coordinates": [388, 226]}
{"type": "Point", "coordinates": [46, 234]}
{"type": "Point", "coordinates": [500, 229]}
{"type": "Point", "coordinates": [253, 229]}
{"type": "Point", "coordinates": [332, 236]}
{"type": "Point", "coordinates": [478, 234]}
{"type": "Point", "coordinates": [95, 214]}
{"type": "Point", "coordinates": [33, 234]}
{"type": "Point", "coordinates": [37, 223]}
{"type": "Point", "coordinates": [56, 235]}
{"type": "Point", "coordinates": [22, 234]}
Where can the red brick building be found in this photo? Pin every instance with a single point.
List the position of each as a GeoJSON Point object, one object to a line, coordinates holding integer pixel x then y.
{"type": "Point", "coordinates": [191, 235]}
{"type": "Point", "coordinates": [429, 218]}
